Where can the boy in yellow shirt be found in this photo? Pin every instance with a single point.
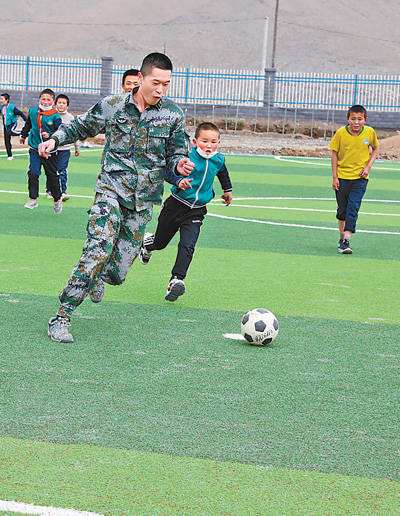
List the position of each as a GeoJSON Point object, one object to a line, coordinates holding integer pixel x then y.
{"type": "Point", "coordinates": [354, 149]}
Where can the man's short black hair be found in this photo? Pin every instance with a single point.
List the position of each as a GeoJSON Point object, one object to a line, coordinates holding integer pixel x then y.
{"type": "Point", "coordinates": [63, 96]}
{"type": "Point", "coordinates": [357, 108]}
{"type": "Point", "coordinates": [155, 60]}
{"type": "Point", "coordinates": [206, 126]}
{"type": "Point", "coordinates": [6, 96]}
{"type": "Point", "coordinates": [48, 91]}
{"type": "Point", "coordinates": [132, 71]}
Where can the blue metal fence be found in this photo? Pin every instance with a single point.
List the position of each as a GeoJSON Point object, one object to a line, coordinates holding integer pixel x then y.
{"type": "Point", "coordinates": [35, 73]}
{"type": "Point", "coordinates": [332, 91]}
{"type": "Point", "coordinates": [207, 86]}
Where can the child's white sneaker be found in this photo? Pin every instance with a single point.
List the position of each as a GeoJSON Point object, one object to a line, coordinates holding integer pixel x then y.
{"type": "Point", "coordinates": [176, 288]}
{"type": "Point", "coordinates": [64, 196]}
{"type": "Point", "coordinates": [10, 158]}
{"type": "Point", "coordinates": [31, 204]}
{"type": "Point", "coordinates": [57, 208]}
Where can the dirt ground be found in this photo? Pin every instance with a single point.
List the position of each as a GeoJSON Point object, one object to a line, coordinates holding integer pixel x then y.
{"type": "Point", "coordinates": [272, 143]}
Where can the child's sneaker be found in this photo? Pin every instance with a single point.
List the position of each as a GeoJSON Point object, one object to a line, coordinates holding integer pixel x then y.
{"type": "Point", "coordinates": [96, 291]}
{"type": "Point", "coordinates": [145, 255]}
{"type": "Point", "coordinates": [58, 329]}
{"type": "Point", "coordinates": [10, 158]}
{"type": "Point", "coordinates": [64, 196]}
{"type": "Point", "coordinates": [31, 204]}
{"type": "Point", "coordinates": [344, 247]}
{"type": "Point", "coordinates": [176, 288]}
{"type": "Point", "coordinates": [340, 243]}
{"type": "Point", "coordinates": [57, 208]}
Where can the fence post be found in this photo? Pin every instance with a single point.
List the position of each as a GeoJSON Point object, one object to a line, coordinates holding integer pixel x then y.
{"type": "Point", "coordinates": [355, 89]}
{"type": "Point", "coordinates": [27, 73]}
{"type": "Point", "coordinates": [187, 75]}
{"type": "Point", "coordinates": [269, 87]}
{"type": "Point", "coordinates": [106, 76]}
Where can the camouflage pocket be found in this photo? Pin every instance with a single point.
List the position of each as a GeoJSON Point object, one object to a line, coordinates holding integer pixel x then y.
{"type": "Point", "coordinates": [157, 144]}
{"type": "Point", "coordinates": [119, 134]}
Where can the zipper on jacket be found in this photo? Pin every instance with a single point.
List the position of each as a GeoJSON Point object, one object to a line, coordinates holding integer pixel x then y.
{"type": "Point", "coordinates": [196, 197]}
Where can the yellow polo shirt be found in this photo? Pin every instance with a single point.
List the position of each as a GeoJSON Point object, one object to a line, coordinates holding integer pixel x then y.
{"type": "Point", "coordinates": [353, 150]}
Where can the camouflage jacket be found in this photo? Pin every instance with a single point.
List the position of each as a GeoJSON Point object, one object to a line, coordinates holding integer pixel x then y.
{"type": "Point", "coordinates": [140, 148]}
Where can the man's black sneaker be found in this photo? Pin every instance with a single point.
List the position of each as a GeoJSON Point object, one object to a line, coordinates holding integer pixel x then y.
{"type": "Point", "coordinates": [344, 247]}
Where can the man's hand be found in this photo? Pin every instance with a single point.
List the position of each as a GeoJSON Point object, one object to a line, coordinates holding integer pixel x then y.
{"type": "Point", "coordinates": [77, 153]}
{"type": "Point", "coordinates": [184, 167]}
{"type": "Point", "coordinates": [227, 198]}
{"type": "Point", "coordinates": [21, 140]}
{"type": "Point", "coordinates": [45, 148]}
{"type": "Point", "coordinates": [184, 184]}
{"type": "Point", "coordinates": [365, 171]}
{"type": "Point", "coordinates": [335, 183]}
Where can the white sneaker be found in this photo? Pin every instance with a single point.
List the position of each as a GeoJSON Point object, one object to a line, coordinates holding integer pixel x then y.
{"type": "Point", "coordinates": [31, 204]}
{"type": "Point", "coordinates": [10, 158]}
{"type": "Point", "coordinates": [176, 288]}
{"type": "Point", "coordinates": [58, 330]}
{"type": "Point", "coordinates": [48, 195]}
{"type": "Point", "coordinates": [64, 196]}
{"type": "Point", "coordinates": [57, 208]}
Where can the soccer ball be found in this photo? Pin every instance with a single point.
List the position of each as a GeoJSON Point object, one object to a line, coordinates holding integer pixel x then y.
{"type": "Point", "coordinates": [259, 327]}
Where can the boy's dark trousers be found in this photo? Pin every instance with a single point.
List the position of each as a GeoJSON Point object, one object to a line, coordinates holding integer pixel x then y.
{"type": "Point", "coordinates": [51, 170]}
{"type": "Point", "coordinates": [63, 157]}
{"type": "Point", "coordinates": [8, 132]}
{"type": "Point", "coordinates": [176, 216]}
{"type": "Point", "coordinates": [348, 198]}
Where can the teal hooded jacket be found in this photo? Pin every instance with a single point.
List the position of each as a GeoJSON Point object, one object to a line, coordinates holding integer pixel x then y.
{"type": "Point", "coordinates": [202, 180]}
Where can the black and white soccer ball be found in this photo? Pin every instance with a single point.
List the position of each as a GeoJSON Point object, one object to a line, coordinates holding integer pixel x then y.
{"type": "Point", "coordinates": [259, 327]}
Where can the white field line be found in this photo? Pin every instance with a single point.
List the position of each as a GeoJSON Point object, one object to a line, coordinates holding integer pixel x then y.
{"type": "Point", "coordinates": [270, 223]}
{"type": "Point", "coordinates": [44, 194]}
{"type": "Point", "coordinates": [303, 199]}
{"type": "Point", "coordinates": [327, 164]}
{"type": "Point", "coordinates": [305, 226]}
{"type": "Point", "coordinates": [233, 336]}
{"type": "Point", "coordinates": [24, 508]}
{"type": "Point", "coordinates": [23, 152]}
{"type": "Point", "coordinates": [217, 203]}
{"type": "Point", "coordinates": [234, 205]}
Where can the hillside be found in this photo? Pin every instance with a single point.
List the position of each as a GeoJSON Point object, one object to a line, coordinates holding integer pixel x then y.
{"type": "Point", "coordinates": [313, 35]}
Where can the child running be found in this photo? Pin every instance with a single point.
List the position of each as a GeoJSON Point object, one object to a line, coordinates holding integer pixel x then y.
{"type": "Point", "coordinates": [64, 152]}
{"type": "Point", "coordinates": [43, 120]}
{"type": "Point", "coordinates": [185, 209]}
{"type": "Point", "coordinates": [9, 115]}
{"type": "Point", "coordinates": [354, 149]}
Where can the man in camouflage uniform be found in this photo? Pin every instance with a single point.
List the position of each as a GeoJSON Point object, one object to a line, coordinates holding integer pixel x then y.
{"type": "Point", "coordinates": [145, 139]}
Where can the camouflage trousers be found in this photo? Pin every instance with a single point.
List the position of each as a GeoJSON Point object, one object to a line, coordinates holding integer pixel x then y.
{"type": "Point", "coordinates": [114, 238]}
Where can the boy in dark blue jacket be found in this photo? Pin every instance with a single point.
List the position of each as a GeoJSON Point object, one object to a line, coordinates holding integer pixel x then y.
{"type": "Point", "coordinates": [43, 120]}
{"type": "Point", "coordinates": [185, 209]}
{"type": "Point", "coordinates": [9, 115]}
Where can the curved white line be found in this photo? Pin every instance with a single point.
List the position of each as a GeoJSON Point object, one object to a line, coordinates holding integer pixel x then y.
{"type": "Point", "coordinates": [301, 199]}
{"type": "Point", "coordinates": [24, 508]}
{"type": "Point", "coordinates": [305, 226]}
{"type": "Point", "coordinates": [304, 162]}
{"type": "Point", "coordinates": [234, 205]}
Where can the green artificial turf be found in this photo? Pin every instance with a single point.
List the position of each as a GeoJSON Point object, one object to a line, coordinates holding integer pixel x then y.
{"type": "Point", "coordinates": [207, 425]}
